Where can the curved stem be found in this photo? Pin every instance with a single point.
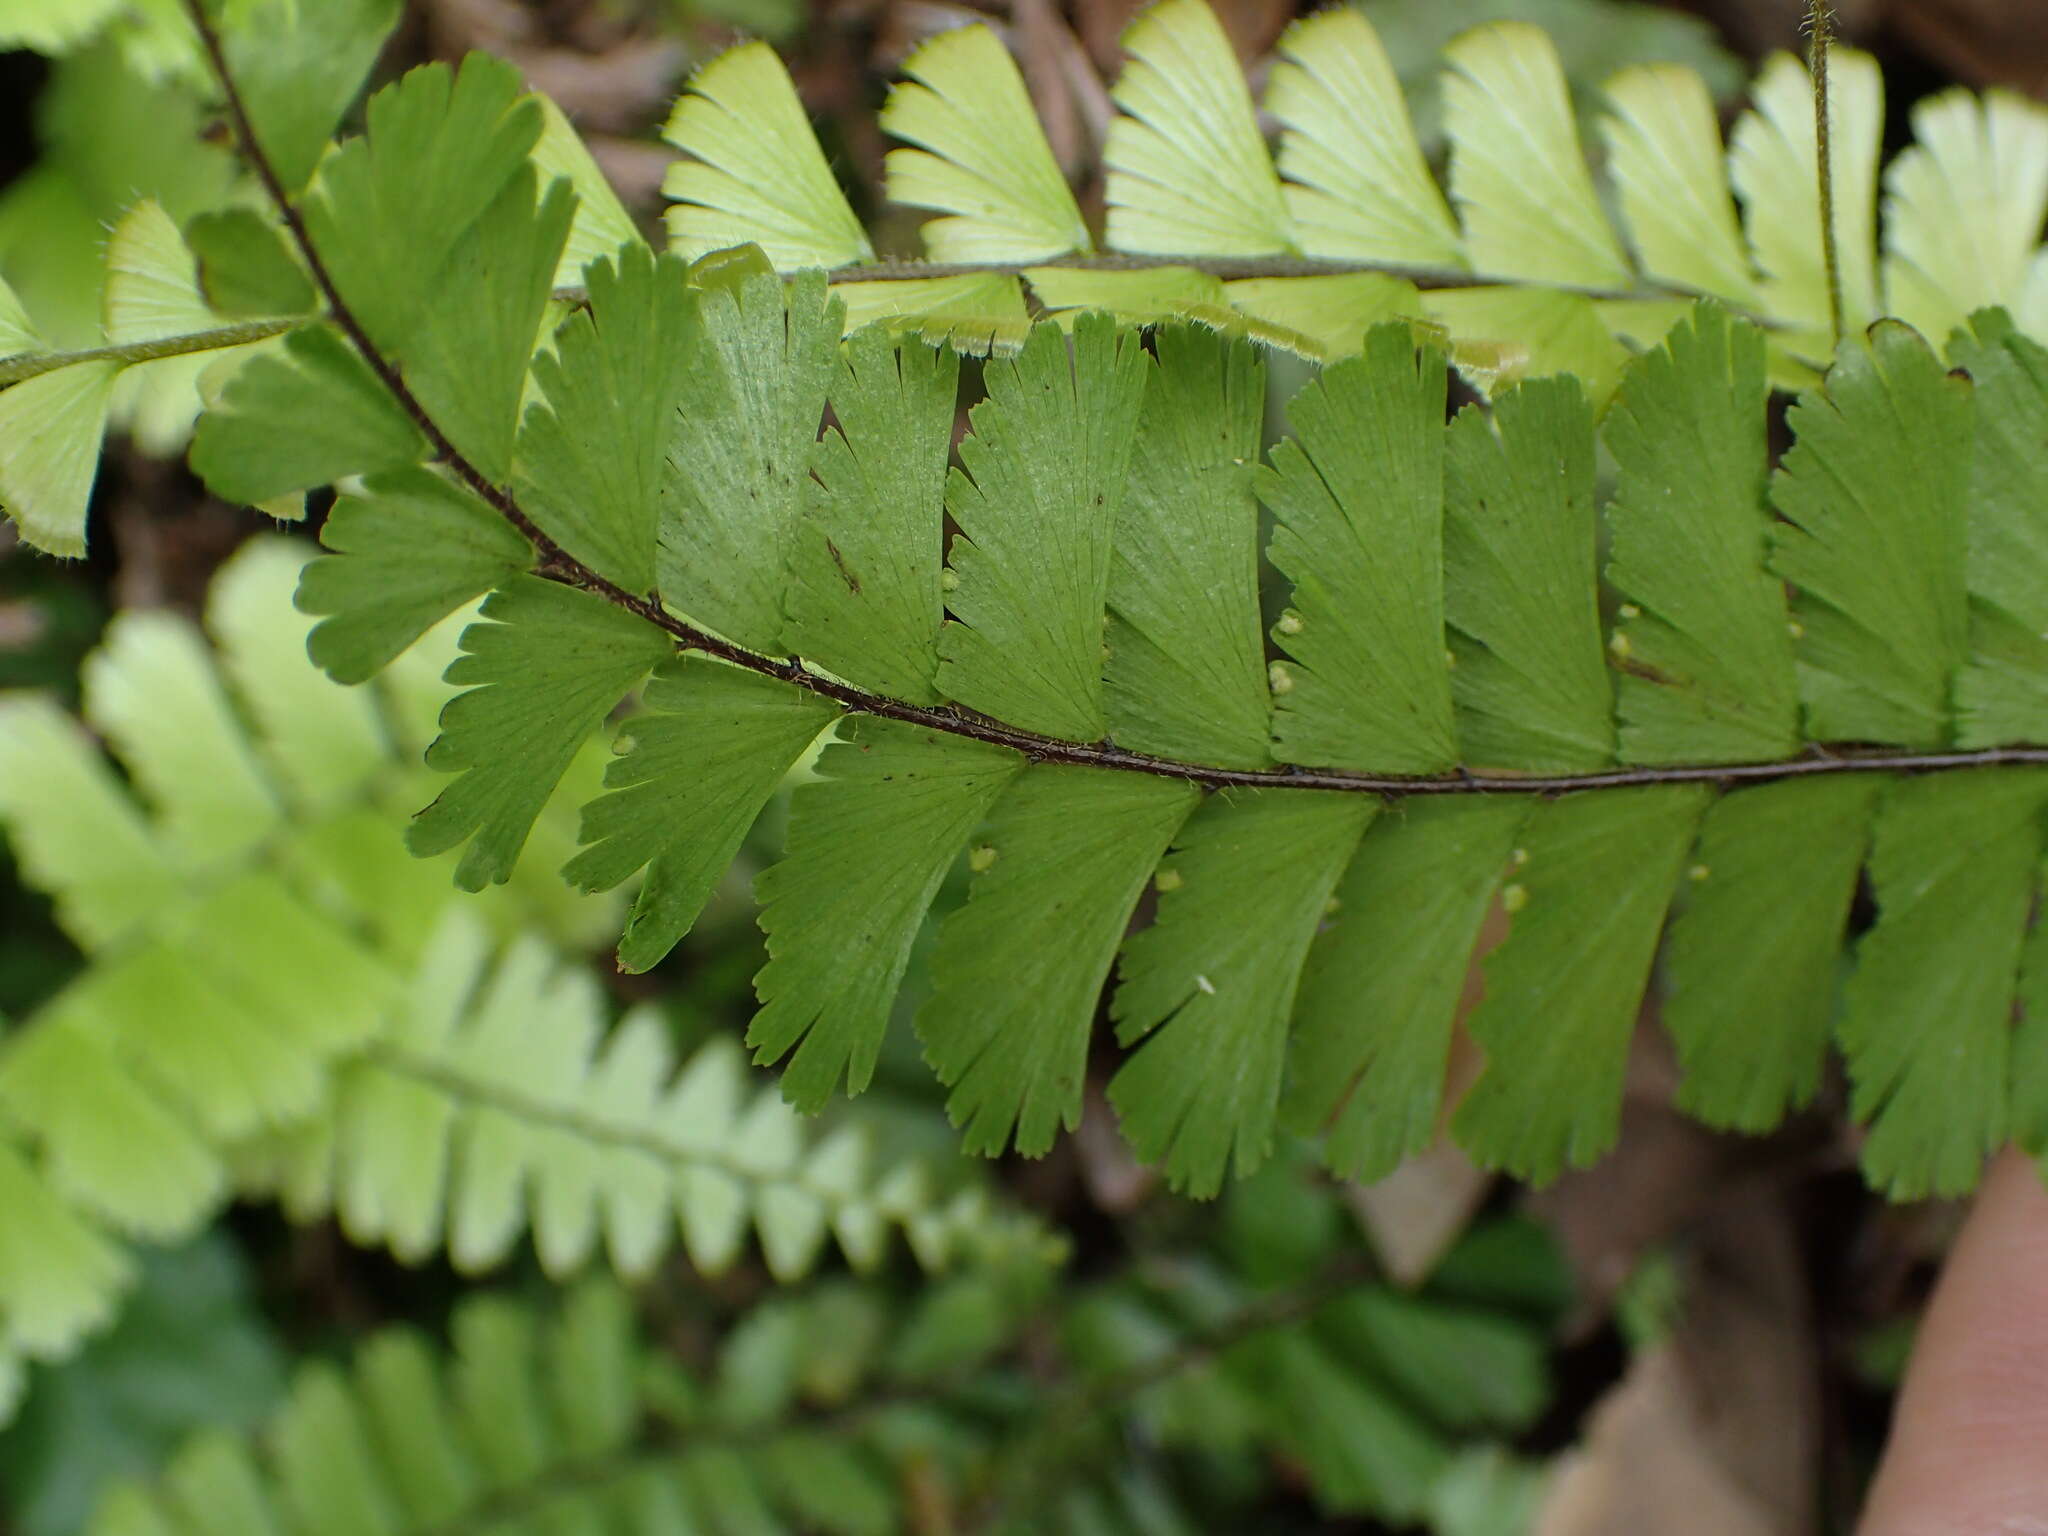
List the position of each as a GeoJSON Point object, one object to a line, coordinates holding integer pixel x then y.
{"type": "Point", "coordinates": [557, 564]}
{"type": "Point", "coordinates": [27, 365]}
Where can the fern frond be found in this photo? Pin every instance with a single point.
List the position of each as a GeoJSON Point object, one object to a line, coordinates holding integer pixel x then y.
{"type": "Point", "coordinates": [1190, 181]}
{"type": "Point", "coordinates": [1105, 527]}
{"type": "Point", "coordinates": [1611, 789]}
{"type": "Point", "coordinates": [281, 998]}
{"type": "Point", "coordinates": [227, 982]}
{"type": "Point", "coordinates": [846, 1406]}
{"type": "Point", "coordinates": [496, 1100]}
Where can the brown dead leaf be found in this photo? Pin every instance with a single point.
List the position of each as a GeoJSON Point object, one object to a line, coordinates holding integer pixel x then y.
{"type": "Point", "coordinates": [1417, 1212]}
{"type": "Point", "coordinates": [1715, 1431]}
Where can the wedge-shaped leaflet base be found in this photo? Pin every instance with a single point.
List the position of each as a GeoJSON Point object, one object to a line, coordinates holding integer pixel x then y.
{"type": "Point", "coordinates": [300, 418]}
{"type": "Point", "coordinates": [1185, 676]}
{"type": "Point", "coordinates": [1018, 969]}
{"type": "Point", "coordinates": [1705, 648]}
{"type": "Point", "coordinates": [868, 845]}
{"type": "Point", "coordinates": [1670, 177]}
{"type": "Point", "coordinates": [1358, 491]}
{"type": "Point", "coordinates": [1212, 982]}
{"type": "Point", "coordinates": [1359, 186]}
{"type": "Point", "coordinates": [740, 445]}
{"type": "Point", "coordinates": [1188, 171]}
{"type": "Point", "coordinates": [1530, 681]}
{"type": "Point", "coordinates": [2002, 694]}
{"type": "Point", "coordinates": [389, 209]}
{"type": "Point", "coordinates": [1593, 875]}
{"type": "Point", "coordinates": [864, 578]}
{"type": "Point", "coordinates": [1773, 161]}
{"type": "Point", "coordinates": [50, 433]}
{"type": "Point", "coordinates": [1753, 964]}
{"type": "Point", "coordinates": [1873, 542]}
{"type": "Point", "coordinates": [594, 470]}
{"type": "Point", "coordinates": [544, 669]}
{"type": "Point", "coordinates": [709, 747]}
{"type": "Point", "coordinates": [758, 175]}
{"type": "Point", "coordinates": [983, 159]}
{"type": "Point", "coordinates": [1046, 471]}
{"type": "Point", "coordinates": [406, 552]}
{"type": "Point", "coordinates": [1372, 1030]}
{"type": "Point", "coordinates": [1927, 1016]}
{"type": "Point", "coordinates": [1516, 168]}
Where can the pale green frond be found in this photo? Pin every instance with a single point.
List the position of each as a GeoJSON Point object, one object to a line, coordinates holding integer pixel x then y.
{"type": "Point", "coordinates": [1773, 163]}
{"type": "Point", "coordinates": [869, 842]}
{"type": "Point", "coordinates": [1926, 1019]}
{"type": "Point", "coordinates": [293, 419]}
{"type": "Point", "coordinates": [1502, 335]}
{"type": "Point", "coordinates": [501, 1105]}
{"type": "Point", "coordinates": [602, 227]}
{"type": "Point", "coordinates": [864, 600]}
{"type": "Point", "coordinates": [152, 690]}
{"type": "Point", "coordinates": [1358, 187]}
{"type": "Point", "coordinates": [17, 332]}
{"type": "Point", "coordinates": [547, 667]}
{"type": "Point", "coordinates": [1046, 471]}
{"type": "Point", "coordinates": [756, 174]}
{"type": "Point", "coordinates": [755, 378]}
{"type": "Point", "coordinates": [1185, 675]}
{"type": "Point", "coordinates": [976, 313]}
{"type": "Point", "coordinates": [75, 832]}
{"type": "Point", "coordinates": [1589, 885]}
{"type": "Point", "coordinates": [50, 433]}
{"type": "Point", "coordinates": [708, 747]}
{"type": "Point", "coordinates": [1188, 170]}
{"type": "Point", "coordinates": [152, 288]}
{"type": "Point", "coordinates": [1703, 646]}
{"type": "Point", "coordinates": [1380, 992]}
{"type": "Point", "coordinates": [592, 461]}
{"type": "Point", "coordinates": [107, 1145]}
{"type": "Point", "coordinates": [1529, 672]}
{"type": "Point", "coordinates": [1017, 971]}
{"type": "Point", "coordinates": [58, 1279]}
{"type": "Point", "coordinates": [1209, 987]}
{"type": "Point", "coordinates": [983, 160]}
{"type": "Point", "coordinates": [1670, 177]}
{"type": "Point", "coordinates": [1358, 495]}
{"type": "Point", "coordinates": [1517, 171]}
{"type": "Point", "coordinates": [324, 742]}
{"type": "Point", "coordinates": [1963, 208]}
{"type": "Point", "coordinates": [1871, 537]}
{"type": "Point", "coordinates": [1139, 297]}
{"type": "Point", "coordinates": [1754, 960]}
{"type": "Point", "coordinates": [406, 549]}
{"type": "Point", "coordinates": [1333, 311]}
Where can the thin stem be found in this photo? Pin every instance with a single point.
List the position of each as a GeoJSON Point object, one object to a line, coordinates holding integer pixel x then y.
{"type": "Point", "coordinates": [27, 365]}
{"type": "Point", "coordinates": [1820, 24]}
{"type": "Point", "coordinates": [1231, 269]}
{"type": "Point", "coordinates": [557, 564]}
{"type": "Point", "coordinates": [1070, 1415]}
